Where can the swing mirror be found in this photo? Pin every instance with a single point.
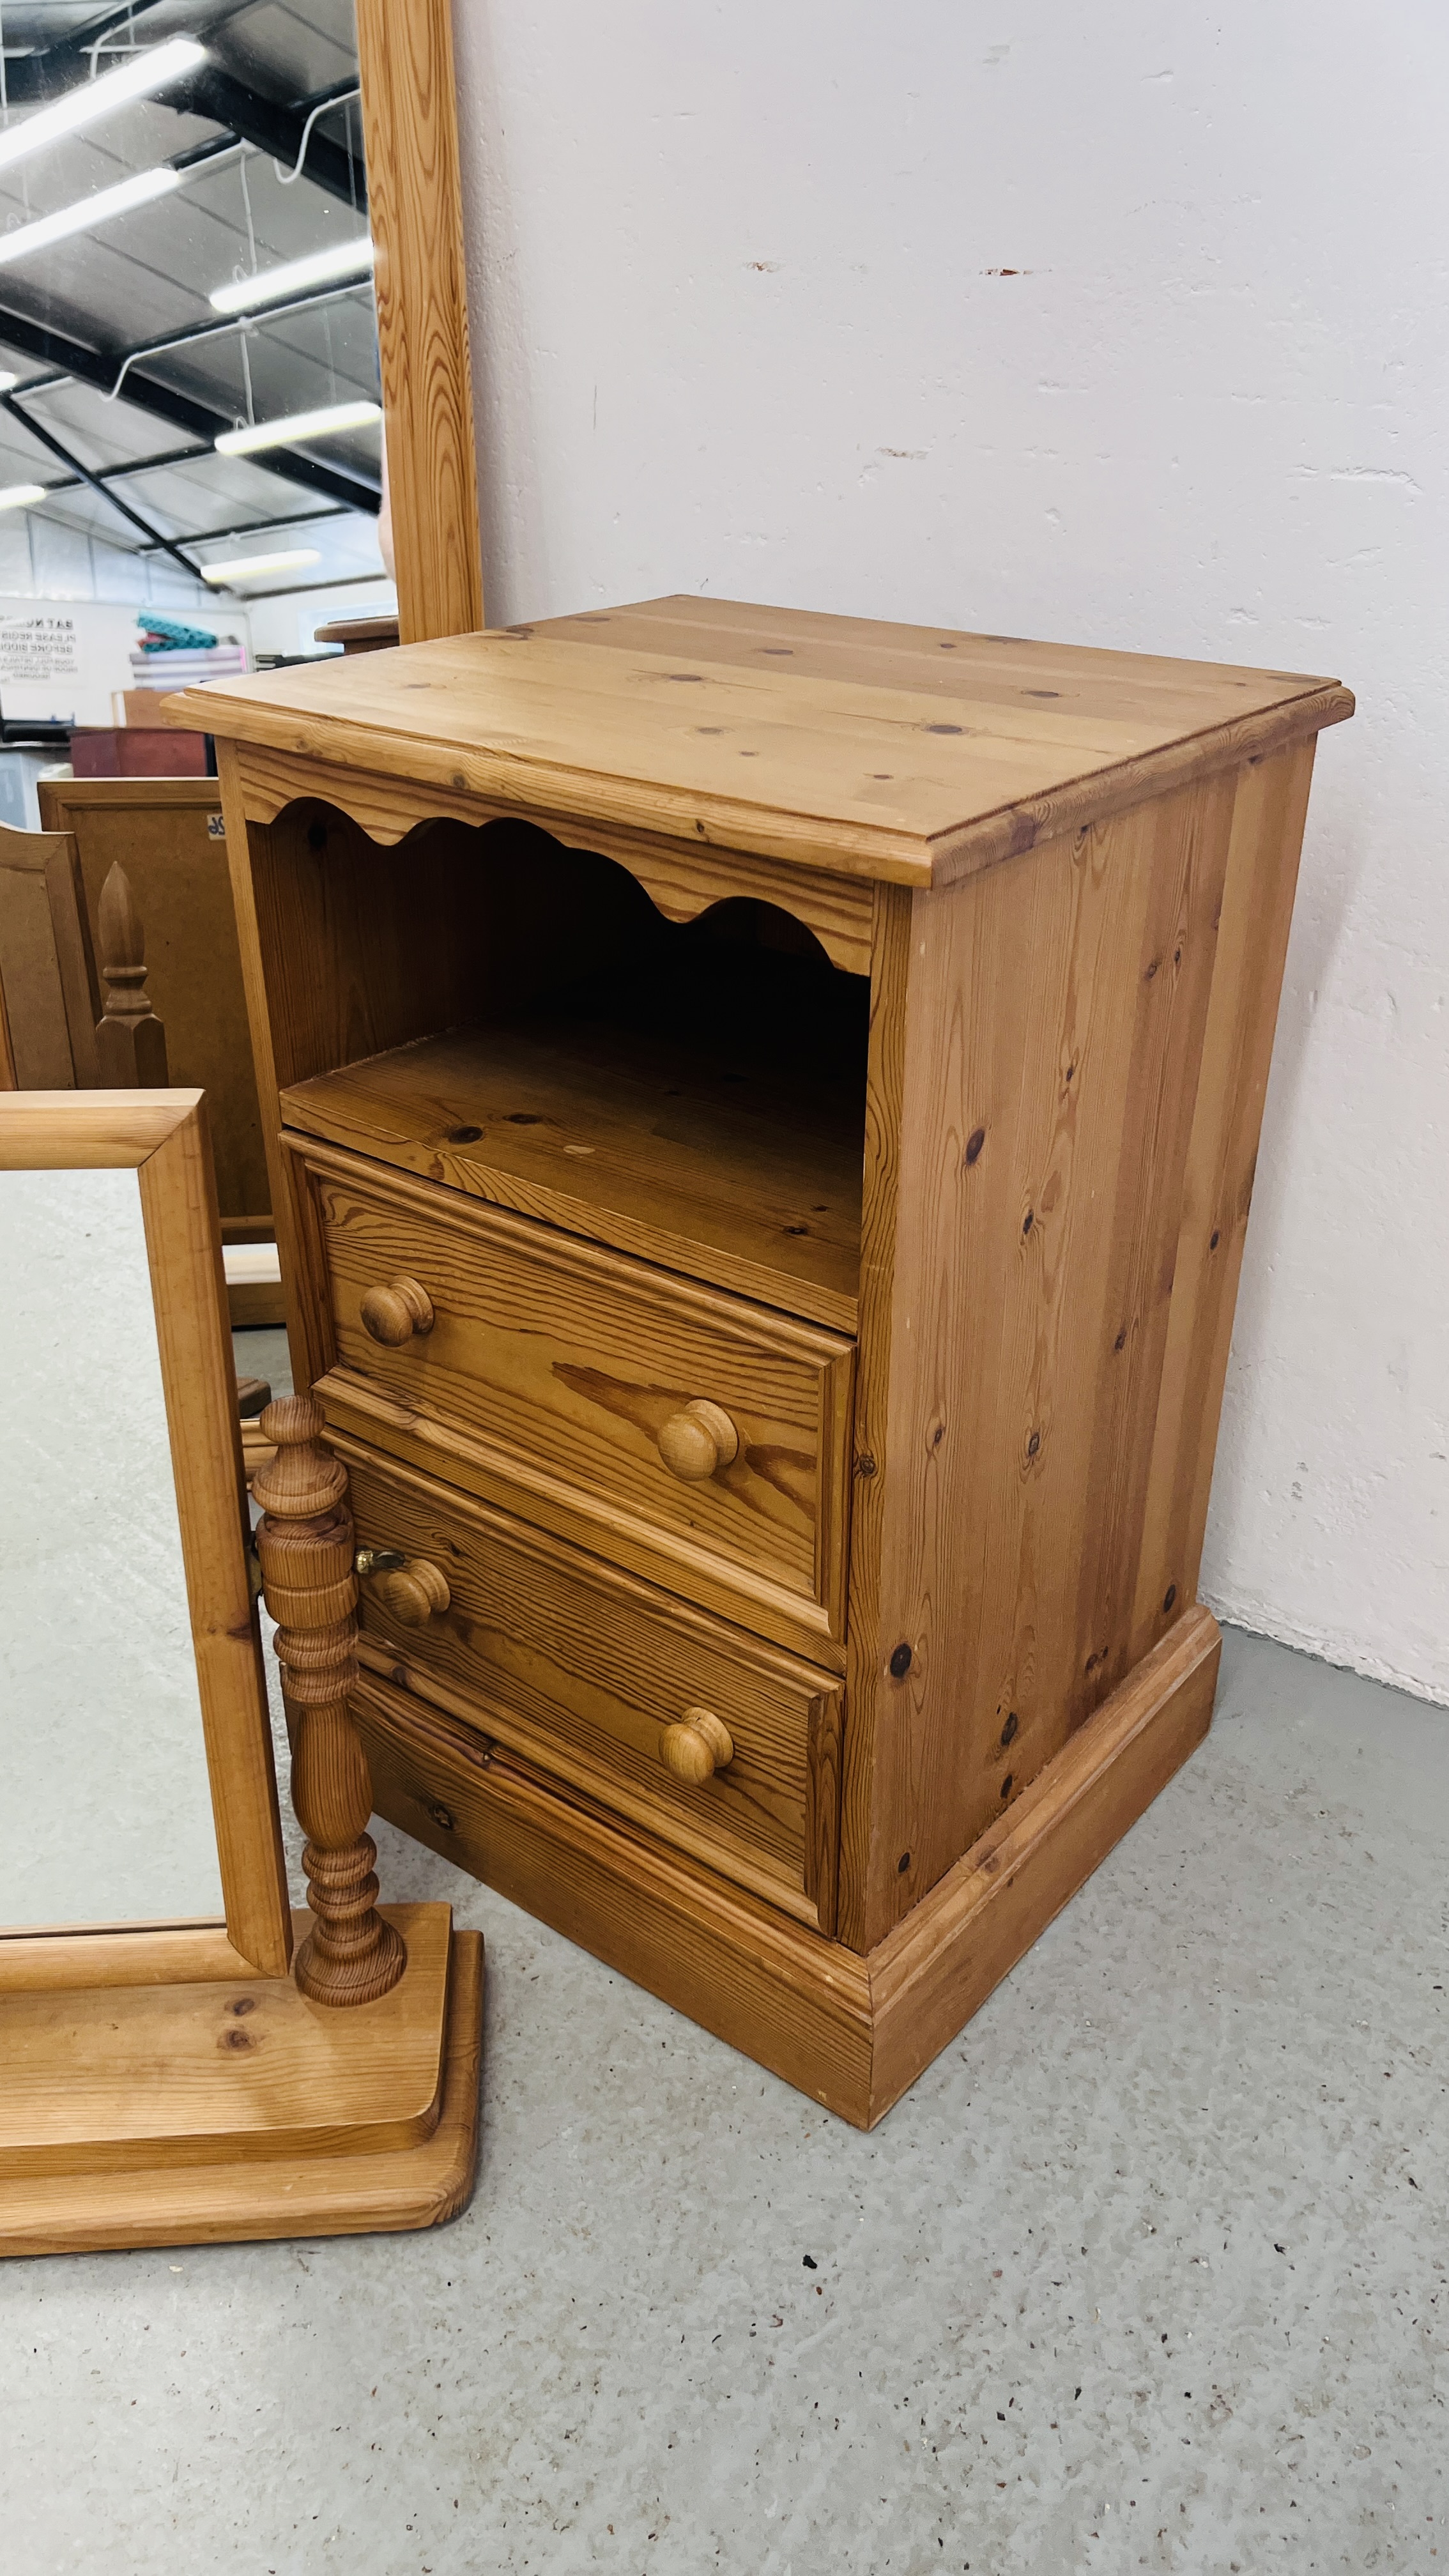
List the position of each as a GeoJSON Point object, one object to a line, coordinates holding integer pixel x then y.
{"type": "Point", "coordinates": [134, 1738]}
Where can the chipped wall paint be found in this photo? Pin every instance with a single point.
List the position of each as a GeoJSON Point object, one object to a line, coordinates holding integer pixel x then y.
{"type": "Point", "coordinates": [1123, 326]}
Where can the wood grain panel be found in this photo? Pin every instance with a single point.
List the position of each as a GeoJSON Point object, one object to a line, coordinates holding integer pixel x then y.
{"type": "Point", "coordinates": [853, 768]}
{"type": "Point", "coordinates": [938, 1966]}
{"type": "Point", "coordinates": [1252, 945]}
{"type": "Point", "coordinates": [1184, 857]}
{"type": "Point", "coordinates": [568, 1362]}
{"type": "Point", "coordinates": [197, 2074]}
{"type": "Point", "coordinates": [580, 1669]}
{"type": "Point", "coordinates": [250, 2202]}
{"type": "Point", "coordinates": [168, 836]}
{"type": "Point", "coordinates": [410, 139]}
{"type": "Point", "coordinates": [1015, 674]}
{"type": "Point", "coordinates": [49, 995]}
{"type": "Point", "coordinates": [752, 1185]}
{"type": "Point", "coordinates": [1055, 1025]}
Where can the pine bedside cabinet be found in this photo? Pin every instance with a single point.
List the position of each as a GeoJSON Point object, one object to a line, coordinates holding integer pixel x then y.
{"type": "Point", "coordinates": [762, 1112]}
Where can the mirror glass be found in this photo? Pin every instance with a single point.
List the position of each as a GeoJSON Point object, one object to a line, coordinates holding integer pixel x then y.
{"type": "Point", "coordinates": [105, 1811]}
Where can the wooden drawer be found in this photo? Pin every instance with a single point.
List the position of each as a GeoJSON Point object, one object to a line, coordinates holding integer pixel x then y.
{"type": "Point", "coordinates": [582, 1669]}
{"type": "Point", "coordinates": [552, 1368]}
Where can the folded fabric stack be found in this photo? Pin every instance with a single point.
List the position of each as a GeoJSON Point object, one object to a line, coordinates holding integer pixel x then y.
{"type": "Point", "coordinates": [173, 655]}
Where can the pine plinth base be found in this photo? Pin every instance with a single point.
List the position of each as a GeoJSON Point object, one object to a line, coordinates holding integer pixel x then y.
{"type": "Point", "coordinates": [853, 2031]}
{"type": "Point", "coordinates": [267, 2116]}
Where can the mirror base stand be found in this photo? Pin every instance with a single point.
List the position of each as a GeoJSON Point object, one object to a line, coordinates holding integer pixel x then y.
{"type": "Point", "coordinates": [206, 2104]}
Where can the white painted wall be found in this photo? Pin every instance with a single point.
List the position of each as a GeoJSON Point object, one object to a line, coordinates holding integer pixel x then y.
{"type": "Point", "coordinates": [742, 326]}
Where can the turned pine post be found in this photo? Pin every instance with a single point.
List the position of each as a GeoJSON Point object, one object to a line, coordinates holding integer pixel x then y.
{"type": "Point", "coordinates": [130, 1040]}
{"type": "Point", "coordinates": [305, 1543]}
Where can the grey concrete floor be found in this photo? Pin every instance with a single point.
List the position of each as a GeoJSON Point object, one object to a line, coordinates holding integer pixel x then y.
{"type": "Point", "coordinates": [1148, 2270]}
{"type": "Point", "coordinates": [261, 1351]}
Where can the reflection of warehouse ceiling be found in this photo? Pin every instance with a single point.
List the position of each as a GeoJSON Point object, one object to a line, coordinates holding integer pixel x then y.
{"type": "Point", "coordinates": [125, 305]}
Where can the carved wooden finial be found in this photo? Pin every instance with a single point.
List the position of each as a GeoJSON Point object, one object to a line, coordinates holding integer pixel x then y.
{"type": "Point", "coordinates": [304, 1476]}
{"type": "Point", "coordinates": [306, 1546]}
{"type": "Point", "coordinates": [130, 1040]}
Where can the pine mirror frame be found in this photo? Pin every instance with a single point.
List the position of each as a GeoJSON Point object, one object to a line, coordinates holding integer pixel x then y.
{"type": "Point", "coordinates": [162, 1136]}
{"type": "Point", "coordinates": [415, 214]}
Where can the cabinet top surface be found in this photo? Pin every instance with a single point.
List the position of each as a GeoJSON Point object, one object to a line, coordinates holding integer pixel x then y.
{"type": "Point", "coordinates": [871, 748]}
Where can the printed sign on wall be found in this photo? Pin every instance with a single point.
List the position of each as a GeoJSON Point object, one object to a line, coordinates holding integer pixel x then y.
{"type": "Point", "coordinates": [60, 659]}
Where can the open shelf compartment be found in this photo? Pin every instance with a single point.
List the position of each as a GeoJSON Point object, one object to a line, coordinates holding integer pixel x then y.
{"type": "Point", "coordinates": [696, 1097]}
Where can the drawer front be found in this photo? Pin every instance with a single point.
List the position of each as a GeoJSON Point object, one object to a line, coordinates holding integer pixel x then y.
{"type": "Point", "coordinates": [577, 1376]}
{"type": "Point", "coordinates": [585, 1671]}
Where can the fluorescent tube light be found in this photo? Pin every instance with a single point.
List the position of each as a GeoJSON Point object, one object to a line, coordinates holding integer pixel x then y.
{"type": "Point", "coordinates": [319, 268]}
{"type": "Point", "coordinates": [87, 212]}
{"type": "Point", "coordinates": [21, 496]}
{"type": "Point", "coordinates": [248, 566]}
{"type": "Point", "coordinates": [140, 76]}
{"type": "Point", "coordinates": [298, 428]}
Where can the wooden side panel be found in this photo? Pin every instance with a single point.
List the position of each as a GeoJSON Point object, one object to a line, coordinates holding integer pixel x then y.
{"type": "Point", "coordinates": [410, 128]}
{"type": "Point", "coordinates": [1257, 909]}
{"type": "Point", "coordinates": [49, 999]}
{"type": "Point", "coordinates": [938, 1967]}
{"type": "Point", "coordinates": [1055, 1029]}
{"type": "Point", "coordinates": [885, 1085]}
{"type": "Point", "coordinates": [167, 836]}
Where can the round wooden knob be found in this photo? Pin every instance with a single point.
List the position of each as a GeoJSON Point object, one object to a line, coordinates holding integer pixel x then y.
{"type": "Point", "coordinates": [697, 1746]}
{"type": "Point", "coordinates": [417, 1594]}
{"type": "Point", "coordinates": [394, 1313]}
{"type": "Point", "coordinates": [697, 1442]}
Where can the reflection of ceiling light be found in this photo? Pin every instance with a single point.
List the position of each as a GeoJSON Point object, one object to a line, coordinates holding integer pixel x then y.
{"type": "Point", "coordinates": [21, 496]}
{"type": "Point", "coordinates": [140, 77]}
{"type": "Point", "coordinates": [298, 428]}
{"type": "Point", "coordinates": [8, 384]}
{"type": "Point", "coordinates": [89, 211]}
{"type": "Point", "coordinates": [250, 565]}
{"type": "Point", "coordinates": [319, 268]}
